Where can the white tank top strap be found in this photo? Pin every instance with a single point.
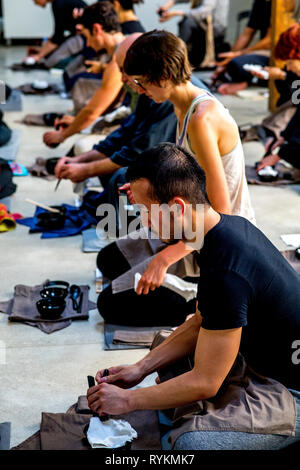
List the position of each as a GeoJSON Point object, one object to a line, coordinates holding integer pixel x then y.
{"type": "Point", "coordinates": [203, 97]}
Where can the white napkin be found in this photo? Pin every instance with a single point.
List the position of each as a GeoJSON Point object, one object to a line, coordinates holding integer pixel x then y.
{"type": "Point", "coordinates": [109, 434]}
{"type": "Point", "coordinates": [187, 290]}
{"type": "Point", "coordinates": [291, 240]}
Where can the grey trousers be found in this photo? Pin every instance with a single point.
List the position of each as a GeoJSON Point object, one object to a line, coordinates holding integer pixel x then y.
{"type": "Point", "coordinates": [70, 47]}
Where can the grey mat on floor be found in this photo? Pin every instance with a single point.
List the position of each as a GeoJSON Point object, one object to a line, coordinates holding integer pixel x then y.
{"type": "Point", "coordinates": [90, 241]}
{"type": "Point", "coordinates": [14, 103]}
{"type": "Point", "coordinates": [10, 150]}
{"type": "Point", "coordinates": [4, 436]}
{"type": "Point", "coordinates": [109, 331]}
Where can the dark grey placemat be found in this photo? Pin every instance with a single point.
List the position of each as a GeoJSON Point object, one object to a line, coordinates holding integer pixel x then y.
{"type": "Point", "coordinates": [14, 102]}
{"type": "Point", "coordinates": [109, 331]}
{"type": "Point", "coordinates": [10, 150]}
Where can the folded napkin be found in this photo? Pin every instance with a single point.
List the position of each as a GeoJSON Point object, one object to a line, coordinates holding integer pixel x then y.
{"type": "Point", "coordinates": [291, 240]}
{"type": "Point", "coordinates": [187, 290]}
{"type": "Point", "coordinates": [138, 338]}
{"type": "Point", "coordinates": [109, 434]}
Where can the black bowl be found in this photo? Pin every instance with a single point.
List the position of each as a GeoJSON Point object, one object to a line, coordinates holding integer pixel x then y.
{"type": "Point", "coordinates": [60, 284]}
{"type": "Point", "coordinates": [52, 220]}
{"type": "Point", "coordinates": [297, 253]}
{"type": "Point", "coordinates": [54, 293]}
{"type": "Point", "coordinates": [50, 309]}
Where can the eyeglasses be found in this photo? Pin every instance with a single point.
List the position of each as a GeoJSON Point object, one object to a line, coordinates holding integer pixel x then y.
{"type": "Point", "coordinates": [138, 84]}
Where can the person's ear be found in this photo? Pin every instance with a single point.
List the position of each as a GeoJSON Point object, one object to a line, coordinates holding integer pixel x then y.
{"type": "Point", "coordinates": [97, 29]}
{"type": "Point", "coordinates": [180, 203]}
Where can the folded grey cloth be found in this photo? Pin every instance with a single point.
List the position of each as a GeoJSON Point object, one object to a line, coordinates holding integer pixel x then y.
{"type": "Point", "coordinates": [4, 436]}
{"type": "Point", "coordinates": [28, 89]}
{"type": "Point", "coordinates": [34, 120]}
{"type": "Point", "coordinates": [22, 308]}
{"type": "Point", "coordinates": [140, 338]}
{"type": "Point", "coordinates": [39, 169]}
{"type": "Point", "coordinates": [137, 334]}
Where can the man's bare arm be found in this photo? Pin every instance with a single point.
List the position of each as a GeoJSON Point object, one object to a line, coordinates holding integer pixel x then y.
{"type": "Point", "coordinates": [244, 39]}
{"type": "Point", "coordinates": [264, 43]}
{"type": "Point", "coordinates": [102, 99]}
{"type": "Point", "coordinates": [214, 356]}
{"type": "Point", "coordinates": [179, 344]}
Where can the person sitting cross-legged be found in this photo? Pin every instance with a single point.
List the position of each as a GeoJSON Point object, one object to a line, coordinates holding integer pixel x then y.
{"type": "Point", "coordinates": [242, 390]}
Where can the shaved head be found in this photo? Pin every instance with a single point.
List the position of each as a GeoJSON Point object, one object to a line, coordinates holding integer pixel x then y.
{"type": "Point", "coordinates": [123, 48]}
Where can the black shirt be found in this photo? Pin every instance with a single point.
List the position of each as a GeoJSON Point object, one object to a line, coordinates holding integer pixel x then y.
{"type": "Point", "coordinates": [130, 27]}
{"type": "Point", "coordinates": [63, 18]}
{"type": "Point", "coordinates": [260, 17]}
{"type": "Point", "coordinates": [246, 282]}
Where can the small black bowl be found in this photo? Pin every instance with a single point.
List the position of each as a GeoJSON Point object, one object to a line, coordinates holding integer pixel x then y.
{"type": "Point", "coordinates": [60, 284]}
{"type": "Point", "coordinates": [297, 253]}
{"type": "Point", "coordinates": [50, 309]}
{"type": "Point", "coordinates": [54, 293]}
{"type": "Point", "coordinates": [52, 220]}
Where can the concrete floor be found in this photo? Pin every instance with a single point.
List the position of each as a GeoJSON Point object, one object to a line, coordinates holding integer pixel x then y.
{"type": "Point", "coordinates": [47, 373]}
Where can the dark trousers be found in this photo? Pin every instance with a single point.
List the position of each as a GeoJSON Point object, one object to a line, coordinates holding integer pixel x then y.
{"type": "Point", "coordinates": [237, 74]}
{"type": "Point", "coordinates": [194, 37]}
{"type": "Point", "coordinates": [291, 154]}
{"type": "Point", "coordinates": [161, 307]}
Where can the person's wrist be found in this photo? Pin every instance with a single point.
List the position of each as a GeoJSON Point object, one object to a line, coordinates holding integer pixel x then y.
{"type": "Point", "coordinates": [163, 258]}
{"type": "Point", "coordinates": [131, 401]}
{"type": "Point", "coordinates": [142, 368]}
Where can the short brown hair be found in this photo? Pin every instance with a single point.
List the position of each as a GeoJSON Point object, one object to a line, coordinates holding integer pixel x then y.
{"type": "Point", "coordinates": [157, 56]}
{"type": "Point", "coordinates": [102, 13]}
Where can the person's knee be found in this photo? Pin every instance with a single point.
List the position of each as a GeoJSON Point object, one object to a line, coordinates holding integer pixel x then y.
{"type": "Point", "coordinates": [104, 303]}
{"type": "Point", "coordinates": [104, 262]}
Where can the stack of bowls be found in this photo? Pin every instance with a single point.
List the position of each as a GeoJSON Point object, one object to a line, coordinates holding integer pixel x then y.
{"type": "Point", "coordinates": [52, 302]}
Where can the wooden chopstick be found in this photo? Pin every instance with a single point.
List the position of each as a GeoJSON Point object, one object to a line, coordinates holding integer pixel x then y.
{"type": "Point", "coordinates": [43, 206]}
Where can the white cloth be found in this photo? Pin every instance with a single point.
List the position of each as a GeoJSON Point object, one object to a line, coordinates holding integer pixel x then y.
{"type": "Point", "coordinates": [291, 240]}
{"type": "Point", "coordinates": [109, 434]}
{"type": "Point", "coordinates": [187, 290]}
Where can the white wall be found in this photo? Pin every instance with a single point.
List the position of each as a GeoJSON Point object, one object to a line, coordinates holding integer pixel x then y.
{"type": "Point", "coordinates": [23, 19]}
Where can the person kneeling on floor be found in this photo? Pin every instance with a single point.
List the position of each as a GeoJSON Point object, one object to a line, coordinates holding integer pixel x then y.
{"type": "Point", "coordinates": [243, 388]}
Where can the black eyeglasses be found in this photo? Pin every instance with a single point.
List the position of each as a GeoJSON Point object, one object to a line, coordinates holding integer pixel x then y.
{"type": "Point", "coordinates": [138, 84]}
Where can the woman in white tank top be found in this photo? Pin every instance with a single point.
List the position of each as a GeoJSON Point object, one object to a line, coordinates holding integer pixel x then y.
{"type": "Point", "coordinates": [157, 65]}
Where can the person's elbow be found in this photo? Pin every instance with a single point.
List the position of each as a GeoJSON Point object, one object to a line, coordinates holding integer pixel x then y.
{"type": "Point", "coordinates": [203, 387]}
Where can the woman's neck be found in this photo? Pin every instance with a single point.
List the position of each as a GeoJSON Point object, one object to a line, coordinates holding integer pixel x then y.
{"type": "Point", "coordinates": [182, 96]}
{"type": "Point", "coordinates": [127, 15]}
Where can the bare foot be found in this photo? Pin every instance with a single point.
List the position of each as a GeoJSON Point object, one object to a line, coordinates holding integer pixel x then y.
{"type": "Point", "coordinates": [270, 160]}
{"type": "Point", "coordinates": [231, 88]}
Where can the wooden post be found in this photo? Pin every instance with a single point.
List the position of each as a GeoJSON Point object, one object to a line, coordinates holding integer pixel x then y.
{"type": "Point", "coordinates": [282, 19]}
